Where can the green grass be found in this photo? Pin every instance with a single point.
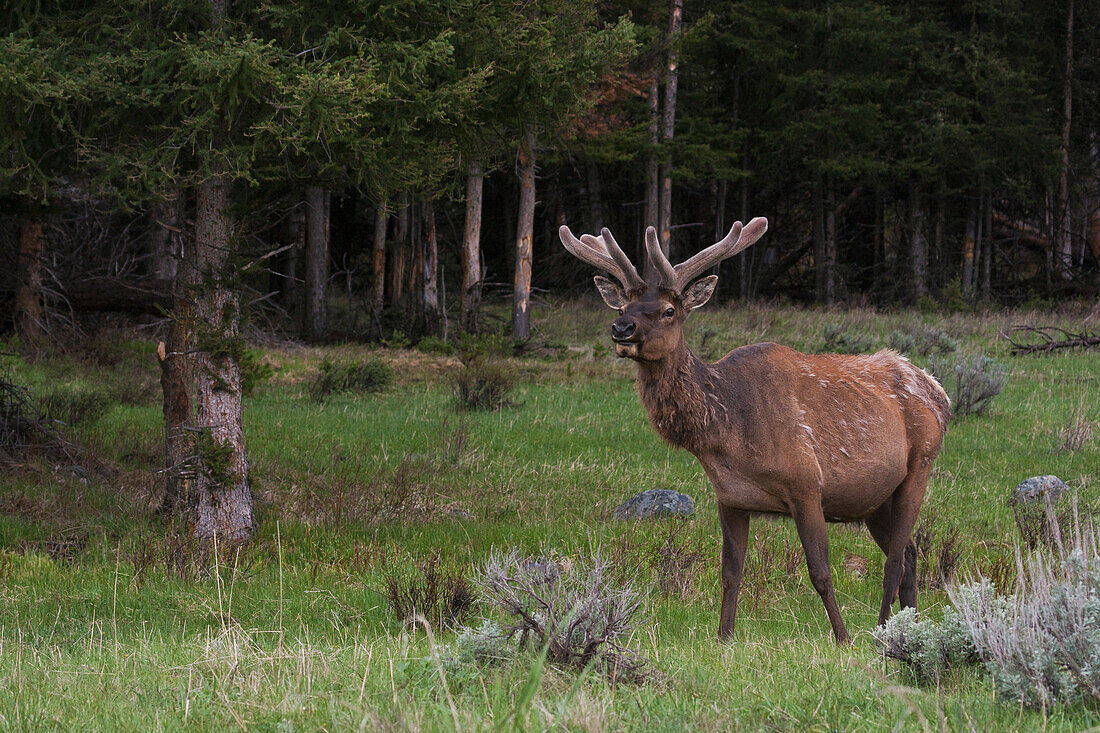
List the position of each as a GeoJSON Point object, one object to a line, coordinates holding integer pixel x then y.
{"type": "Point", "coordinates": [97, 635]}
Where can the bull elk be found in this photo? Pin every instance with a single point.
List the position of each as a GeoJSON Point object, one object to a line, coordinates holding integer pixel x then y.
{"type": "Point", "coordinates": [819, 438]}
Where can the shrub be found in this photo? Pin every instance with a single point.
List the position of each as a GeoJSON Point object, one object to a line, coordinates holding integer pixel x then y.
{"type": "Point", "coordinates": [484, 385]}
{"type": "Point", "coordinates": [433, 590]}
{"type": "Point", "coordinates": [487, 644]}
{"type": "Point", "coordinates": [922, 341]}
{"type": "Point", "coordinates": [928, 649]}
{"type": "Point", "coordinates": [367, 375]}
{"type": "Point", "coordinates": [1075, 434]}
{"type": "Point", "coordinates": [1040, 642]}
{"type": "Point", "coordinates": [435, 345]}
{"type": "Point", "coordinates": [73, 403]}
{"type": "Point", "coordinates": [483, 346]}
{"type": "Point", "coordinates": [972, 381]}
{"type": "Point", "coordinates": [580, 612]}
{"type": "Point", "coordinates": [840, 341]}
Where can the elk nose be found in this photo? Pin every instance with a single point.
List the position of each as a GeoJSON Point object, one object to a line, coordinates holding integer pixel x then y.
{"type": "Point", "coordinates": [622, 328]}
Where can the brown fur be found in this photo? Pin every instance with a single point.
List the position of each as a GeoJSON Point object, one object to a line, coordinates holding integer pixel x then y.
{"type": "Point", "coordinates": [817, 437]}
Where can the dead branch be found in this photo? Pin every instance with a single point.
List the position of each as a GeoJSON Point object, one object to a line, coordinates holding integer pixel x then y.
{"type": "Point", "coordinates": [1051, 338]}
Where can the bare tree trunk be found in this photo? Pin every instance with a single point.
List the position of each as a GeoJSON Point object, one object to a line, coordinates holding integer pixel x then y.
{"type": "Point", "coordinates": [987, 263]}
{"type": "Point", "coordinates": [820, 245]}
{"type": "Point", "coordinates": [296, 238]}
{"type": "Point", "coordinates": [968, 250]}
{"type": "Point", "coordinates": [878, 241]}
{"type": "Point", "coordinates": [1092, 215]}
{"type": "Point", "coordinates": [221, 504]}
{"type": "Point", "coordinates": [830, 245]}
{"type": "Point", "coordinates": [594, 199]}
{"type": "Point", "coordinates": [918, 244]}
{"type": "Point", "coordinates": [668, 122]}
{"type": "Point", "coordinates": [177, 385]}
{"type": "Point", "coordinates": [652, 178]}
{"type": "Point", "coordinates": [525, 231]}
{"type": "Point", "coordinates": [29, 322]}
{"type": "Point", "coordinates": [400, 254]}
{"type": "Point", "coordinates": [433, 312]}
{"type": "Point", "coordinates": [165, 236]}
{"type": "Point", "coordinates": [744, 263]}
{"type": "Point", "coordinates": [317, 264]}
{"type": "Point", "coordinates": [1063, 260]}
{"type": "Point", "coordinates": [378, 270]}
{"type": "Point", "coordinates": [415, 286]}
{"type": "Point", "coordinates": [471, 250]}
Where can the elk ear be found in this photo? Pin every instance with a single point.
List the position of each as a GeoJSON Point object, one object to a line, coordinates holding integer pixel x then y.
{"type": "Point", "coordinates": [699, 293]}
{"type": "Point", "coordinates": [611, 293]}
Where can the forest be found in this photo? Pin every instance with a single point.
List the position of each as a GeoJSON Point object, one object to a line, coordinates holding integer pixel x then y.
{"type": "Point", "coordinates": [299, 387]}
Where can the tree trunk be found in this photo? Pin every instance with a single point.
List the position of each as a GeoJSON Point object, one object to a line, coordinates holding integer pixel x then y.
{"type": "Point", "coordinates": [433, 312]}
{"type": "Point", "coordinates": [968, 250]}
{"type": "Point", "coordinates": [1063, 260]}
{"type": "Point", "coordinates": [653, 176]}
{"type": "Point", "coordinates": [378, 270]}
{"type": "Point", "coordinates": [400, 254]}
{"type": "Point", "coordinates": [987, 262]}
{"type": "Point", "coordinates": [594, 199]}
{"type": "Point", "coordinates": [414, 290]}
{"type": "Point", "coordinates": [668, 123]}
{"type": "Point", "coordinates": [525, 231]}
{"type": "Point", "coordinates": [317, 264]}
{"type": "Point", "coordinates": [878, 242]}
{"type": "Point", "coordinates": [820, 245]}
{"type": "Point", "coordinates": [1092, 215]}
{"type": "Point", "coordinates": [918, 244]}
{"type": "Point", "coordinates": [177, 383]}
{"type": "Point", "coordinates": [296, 238]}
{"type": "Point", "coordinates": [744, 261]}
{"type": "Point", "coordinates": [830, 245]}
{"type": "Point", "coordinates": [29, 323]}
{"type": "Point", "coordinates": [165, 236]}
{"type": "Point", "coordinates": [221, 505]}
{"type": "Point", "coordinates": [471, 251]}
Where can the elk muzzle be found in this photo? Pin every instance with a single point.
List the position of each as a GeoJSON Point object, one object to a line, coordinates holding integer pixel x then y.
{"type": "Point", "coordinates": [622, 329]}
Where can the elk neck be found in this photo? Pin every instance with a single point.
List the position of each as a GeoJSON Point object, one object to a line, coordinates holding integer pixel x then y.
{"type": "Point", "coordinates": [673, 392]}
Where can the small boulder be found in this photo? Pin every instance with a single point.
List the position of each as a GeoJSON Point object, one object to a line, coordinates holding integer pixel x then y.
{"type": "Point", "coordinates": [1029, 507]}
{"type": "Point", "coordinates": [656, 504]}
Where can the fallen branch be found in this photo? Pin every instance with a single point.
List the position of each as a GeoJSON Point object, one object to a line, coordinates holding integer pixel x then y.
{"type": "Point", "coordinates": [1049, 341]}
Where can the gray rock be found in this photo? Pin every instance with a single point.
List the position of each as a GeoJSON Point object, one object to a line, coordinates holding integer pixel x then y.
{"type": "Point", "coordinates": [1029, 508]}
{"type": "Point", "coordinates": [1037, 489]}
{"type": "Point", "coordinates": [656, 504]}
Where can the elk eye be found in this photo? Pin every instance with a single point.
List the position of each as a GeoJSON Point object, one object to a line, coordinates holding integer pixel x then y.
{"type": "Point", "coordinates": [620, 311]}
{"type": "Point", "coordinates": [669, 313]}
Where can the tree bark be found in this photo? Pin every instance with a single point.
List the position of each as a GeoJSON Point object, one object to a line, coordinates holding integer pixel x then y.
{"type": "Point", "coordinates": [1092, 215]}
{"type": "Point", "coordinates": [987, 262]}
{"type": "Point", "coordinates": [296, 238]}
{"type": "Point", "coordinates": [1063, 261]}
{"type": "Point", "coordinates": [918, 244]}
{"type": "Point", "coordinates": [830, 245]}
{"type": "Point", "coordinates": [414, 290]}
{"type": "Point", "coordinates": [378, 270]}
{"type": "Point", "coordinates": [968, 250]}
{"type": "Point", "coordinates": [525, 231]}
{"type": "Point", "coordinates": [400, 254]}
{"type": "Point", "coordinates": [668, 123]}
{"type": "Point", "coordinates": [177, 384]}
{"type": "Point", "coordinates": [651, 214]}
{"type": "Point", "coordinates": [221, 505]}
{"type": "Point", "coordinates": [317, 264]}
{"type": "Point", "coordinates": [471, 250]}
{"type": "Point", "coordinates": [165, 236]}
{"type": "Point", "coordinates": [819, 234]}
{"type": "Point", "coordinates": [433, 312]}
{"type": "Point", "coordinates": [29, 322]}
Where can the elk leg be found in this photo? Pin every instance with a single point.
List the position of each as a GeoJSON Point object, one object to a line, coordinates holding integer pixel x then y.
{"type": "Point", "coordinates": [735, 540]}
{"type": "Point", "coordinates": [810, 522]}
{"type": "Point", "coordinates": [899, 558]}
{"type": "Point", "coordinates": [878, 524]}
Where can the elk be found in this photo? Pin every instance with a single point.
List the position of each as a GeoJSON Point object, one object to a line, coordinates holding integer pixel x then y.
{"type": "Point", "coordinates": [819, 438]}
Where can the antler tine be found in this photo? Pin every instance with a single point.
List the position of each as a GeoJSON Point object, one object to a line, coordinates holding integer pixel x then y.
{"type": "Point", "coordinates": [620, 257]}
{"type": "Point", "coordinates": [738, 239]}
{"type": "Point", "coordinates": [594, 251]}
{"type": "Point", "coordinates": [660, 262]}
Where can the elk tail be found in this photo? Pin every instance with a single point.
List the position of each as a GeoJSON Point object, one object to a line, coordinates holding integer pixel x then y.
{"type": "Point", "coordinates": [929, 391]}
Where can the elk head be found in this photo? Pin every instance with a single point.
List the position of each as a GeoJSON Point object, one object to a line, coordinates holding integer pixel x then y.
{"type": "Point", "coordinates": [651, 314]}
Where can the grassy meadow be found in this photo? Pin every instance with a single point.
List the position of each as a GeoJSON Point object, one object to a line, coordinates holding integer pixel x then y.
{"type": "Point", "coordinates": [104, 626]}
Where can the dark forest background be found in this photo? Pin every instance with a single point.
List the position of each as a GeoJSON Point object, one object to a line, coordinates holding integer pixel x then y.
{"type": "Point", "coordinates": [406, 158]}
